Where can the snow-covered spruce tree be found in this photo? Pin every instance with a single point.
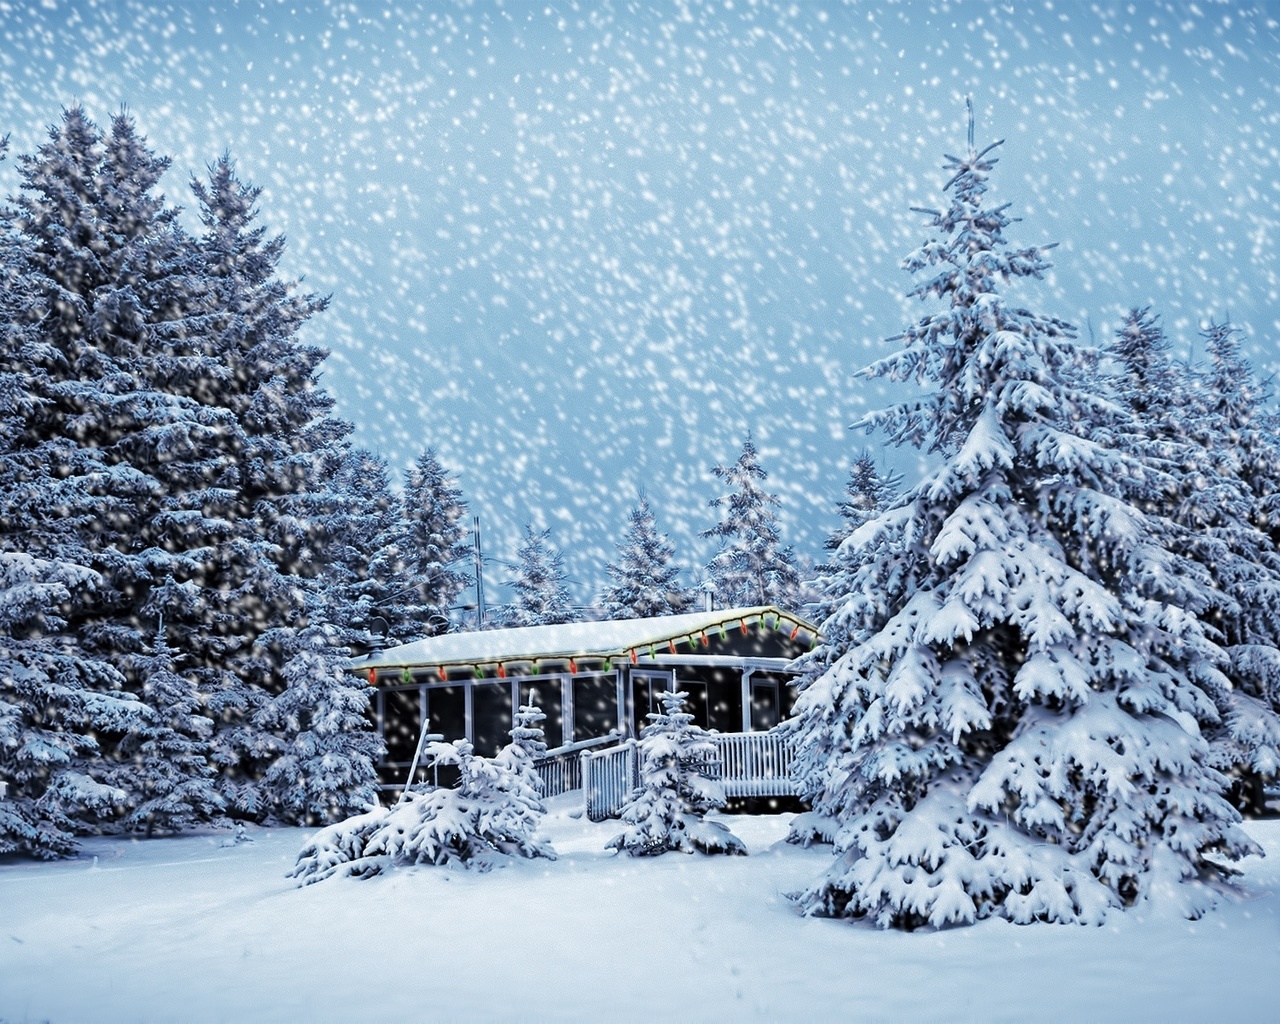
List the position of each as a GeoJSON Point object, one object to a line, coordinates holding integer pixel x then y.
{"type": "Point", "coordinates": [55, 697]}
{"type": "Point", "coordinates": [541, 596]}
{"type": "Point", "coordinates": [1019, 733]}
{"type": "Point", "coordinates": [751, 568]}
{"type": "Point", "coordinates": [512, 820]}
{"type": "Point", "coordinates": [495, 810]}
{"type": "Point", "coordinates": [1148, 378]}
{"type": "Point", "coordinates": [870, 495]}
{"type": "Point", "coordinates": [171, 780]}
{"type": "Point", "coordinates": [417, 567]}
{"type": "Point", "coordinates": [868, 492]}
{"type": "Point", "coordinates": [52, 703]}
{"type": "Point", "coordinates": [1241, 426]}
{"type": "Point", "coordinates": [1217, 472]}
{"type": "Point", "coordinates": [356, 529]}
{"type": "Point", "coordinates": [667, 810]}
{"type": "Point", "coordinates": [258, 581]}
{"type": "Point", "coordinates": [179, 420]}
{"type": "Point", "coordinates": [324, 767]}
{"type": "Point", "coordinates": [645, 582]}
{"type": "Point", "coordinates": [1247, 743]}
{"type": "Point", "coordinates": [849, 605]}
{"type": "Point", "coordinates": [88, 437]}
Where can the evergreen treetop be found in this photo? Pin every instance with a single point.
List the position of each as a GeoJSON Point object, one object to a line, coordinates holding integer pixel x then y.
{"type": "Point", "coordinates": [645, 582]}
{"type": "Point", "coordinates": [868, 492]}
{"type": "Point", "coordinates": [541, 596]}
{"type": "Point", "coordinates": [751, 567]}
{"type": "Point", "coordinates": [416, 568]}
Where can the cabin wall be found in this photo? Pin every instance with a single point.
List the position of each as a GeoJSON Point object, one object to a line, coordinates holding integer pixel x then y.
{"type": "Point", "coordinates": [715, 696]}
{"type": "Point", "coordinates": [579, 707]}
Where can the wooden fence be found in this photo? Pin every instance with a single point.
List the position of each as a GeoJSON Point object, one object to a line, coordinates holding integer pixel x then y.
{"type": "Point", "coordinates": [755, 764]}
{"type": "Point", "coordinates": [608, 777]}
{"type": "Point", "coordinates": [748, 763]}
{"type": "Point", "coordinates": [561, 771]}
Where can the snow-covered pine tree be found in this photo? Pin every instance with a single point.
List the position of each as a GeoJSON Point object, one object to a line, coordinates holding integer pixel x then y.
{"type": "Point", "coordinates": [171, 780]}
{"type": "Point", "coordinates": [1019, 733]}
{"type": "Point", "coordinates": [849, 606]}
{"type": "Point", "coordinates": [677, 788]}
{"type": "Point", "coordinates": [512, 820]}
{"type": "Point", "coordinates": [645, 581]}
{"type": "Point", "coordinates": [324, 768]}
{"type": "Point", "coordinates": [495, 810]}
{"type": "Point", "coordinates": [91, 441]}
{"type": "Point", "coordinates": [90, 236]}
{"type": "Point", "coordinates": [358, 527]}
{"type": "Point", "coordinates": [53, 700]}
{"type": "Point", "coordinates": [541, 596]}
{"type": "Point", "coordinates": [178, 421]}
{"type": "Point", "coordinates": [751, 568]}
{"type": "Point", "coordinates": [528, 745]}
{"type": "Point", "coordinates": [417, 566]}
{"type": "Point", "coordinates": [1219, 495]}
{"type": "Point", "coordinates": [56, 698]}
{"type": "Point", "coordinates": [260, 581]}
{"type": "Point", "coordinates": [1236, 402]}
{"type": "Point", "coordinates": [1204, 462]}
{"type": "Point", "coordinates": [1148, 378]}
{"type": "Point", "coordinates": [868, 493]}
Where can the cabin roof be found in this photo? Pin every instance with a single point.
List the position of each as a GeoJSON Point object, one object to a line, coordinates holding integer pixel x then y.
{"type": "Point", "coordinates": [609, 638]}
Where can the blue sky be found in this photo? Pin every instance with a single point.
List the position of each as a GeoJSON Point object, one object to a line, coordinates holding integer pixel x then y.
{"type": "Point", "coordinates": [583, 249]}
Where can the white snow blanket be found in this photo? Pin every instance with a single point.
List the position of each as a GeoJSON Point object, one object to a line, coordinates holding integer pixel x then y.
{"type": "Point", "coordinates": [204, 929]}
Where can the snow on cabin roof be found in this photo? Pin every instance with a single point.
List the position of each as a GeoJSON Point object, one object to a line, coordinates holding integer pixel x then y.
{"type": "Point", "coordinates": [608, 638]}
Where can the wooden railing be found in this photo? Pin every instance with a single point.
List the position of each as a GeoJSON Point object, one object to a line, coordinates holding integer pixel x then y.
{"type": "Point", "coordinates": [748, 764]}
{"type": "Point", "coordinates": [561, 769]}
{"type": "Point", "coordinates": [560, 773]}
{"type": "Point", "coordinates": [754, 764]}
{"type": "Point", "coordinates": [608, 777]}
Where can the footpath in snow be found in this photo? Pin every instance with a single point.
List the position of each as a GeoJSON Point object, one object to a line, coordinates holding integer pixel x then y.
{"type": "Point", "coordinates": [201, 929]}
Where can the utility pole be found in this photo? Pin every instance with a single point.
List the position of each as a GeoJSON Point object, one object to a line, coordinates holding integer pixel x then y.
{"type": "Point", "coordinates": [479, 576]}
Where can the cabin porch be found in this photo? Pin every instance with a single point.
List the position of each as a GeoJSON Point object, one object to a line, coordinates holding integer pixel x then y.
{"type": "Point", "coordinates": [750, 764]}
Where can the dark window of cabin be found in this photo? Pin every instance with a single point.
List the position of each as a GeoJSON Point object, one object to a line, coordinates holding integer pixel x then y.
{"type": "Point", "coordinates": [695, 702]}
{"type": "Point", "coordinates": [724, 700]}
{"type": "Point", "coordinates": [640, 702]}
{"type": "Point", "coordinates": [546, 694]}
{"type": "Point", "coordinates": [401, 723]}
{"type": "Point", "coordinates": [595, 706]}
{"type": "Point", "coordinates": [790, 694]}
{"type": "Point", "coordinates": [447, 711]}
{"type": "Point", "coordinates": [715, 696]}
{"type": "Point", "coordinates": [491, 717]}
{"type": "Point", "coordinates": [646, 696]}
{"type": "Point", "coordinates": [764, 705]}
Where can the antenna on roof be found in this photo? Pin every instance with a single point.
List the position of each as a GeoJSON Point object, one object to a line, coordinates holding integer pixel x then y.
{"type": "Point", "coordinates": [479, 576]}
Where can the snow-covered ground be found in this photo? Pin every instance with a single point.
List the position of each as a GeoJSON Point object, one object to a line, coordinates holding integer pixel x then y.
{"type": "Point", "coordinates": [198, 929]}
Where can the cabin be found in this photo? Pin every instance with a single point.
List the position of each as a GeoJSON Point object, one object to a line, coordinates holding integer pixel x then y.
{"type": "Point", "coordinates": [596, 682]}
